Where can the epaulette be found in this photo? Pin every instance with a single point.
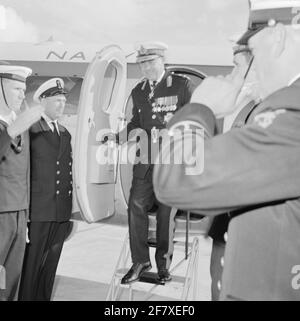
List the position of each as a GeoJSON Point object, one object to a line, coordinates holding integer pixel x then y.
{"type": "Point", "coordinates": [170, 80]}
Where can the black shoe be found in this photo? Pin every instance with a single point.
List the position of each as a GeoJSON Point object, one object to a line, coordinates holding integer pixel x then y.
{"type": "Point", "coordinates": [164, 276]}
{"type": "Point", "coordinates": [136, 272]}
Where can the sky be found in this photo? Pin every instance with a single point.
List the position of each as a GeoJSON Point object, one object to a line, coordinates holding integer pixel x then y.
{"type": "Point", "coordinates": [187, 22]}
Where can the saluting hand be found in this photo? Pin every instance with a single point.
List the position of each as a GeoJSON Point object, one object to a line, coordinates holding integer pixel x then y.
{"type": "Point", "coordinates": [219, 93]}
{"type": "Point", "coordinates": [25, 120]}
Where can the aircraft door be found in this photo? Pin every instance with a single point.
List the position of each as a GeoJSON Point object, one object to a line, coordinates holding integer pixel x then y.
{"type": "Point", "coordinates": [95, 163]}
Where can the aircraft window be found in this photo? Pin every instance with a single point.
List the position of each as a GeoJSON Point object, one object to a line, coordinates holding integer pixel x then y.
{"type": "Point", "coordinates": [72, 85]}
{"type": "Point", "coordinates": [108, 87]}
{"type": "Point", "coordinates": [196, 76]}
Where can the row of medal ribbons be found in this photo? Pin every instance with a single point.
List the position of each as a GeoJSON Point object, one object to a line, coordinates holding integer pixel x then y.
{"type": "Point", "coordinates": [165, 104]}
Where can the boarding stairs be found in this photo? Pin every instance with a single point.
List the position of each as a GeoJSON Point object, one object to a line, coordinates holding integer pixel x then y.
{"type": "Point", "coordinates": [188, 228]}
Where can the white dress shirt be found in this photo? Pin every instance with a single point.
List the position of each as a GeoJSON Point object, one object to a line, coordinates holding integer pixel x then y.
{"type": "Point", "coordinates": [50, 122]}
{"type": "Point", "coordinates": [158, 80]}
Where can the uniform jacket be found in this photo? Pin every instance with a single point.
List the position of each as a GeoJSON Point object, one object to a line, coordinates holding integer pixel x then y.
{"type": "Point", "coordinates": [253, 172]}
{"type": "Point", "coordinates": [51, 174]}
{"type": "Point", "coordinates": [14, 171]}
{"type": "Point", "coordinates": [152, 112]}
{"type": "Point", "coordinates": [219, 224]}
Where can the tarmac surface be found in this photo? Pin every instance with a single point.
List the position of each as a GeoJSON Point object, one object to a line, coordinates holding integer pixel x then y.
{"type": "Point", "coordinates": [89, 259]}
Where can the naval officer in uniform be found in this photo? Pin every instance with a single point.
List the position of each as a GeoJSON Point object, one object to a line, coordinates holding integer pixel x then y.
{"type": "Point", "coordinates": [14, 175]}
{"type": "Point", "coordinates": [155, 100]}
{"type": "Point", "coordinates": [51, 194]}
{"type": "Point", "coordinates": [246, 103]}
{"type": "Point", "coordinates": [259, 186]}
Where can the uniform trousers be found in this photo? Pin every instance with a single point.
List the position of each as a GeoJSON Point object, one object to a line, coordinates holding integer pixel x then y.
{"type": "Point", "coordinates": [41, 259]}
{"type": "Point", "coordinates": [141, 200]}
{"type": "Point", "coordinates": [12, 247]}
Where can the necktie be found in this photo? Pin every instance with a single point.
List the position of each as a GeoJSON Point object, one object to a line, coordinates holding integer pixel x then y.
{"type": "Point", "coordinates": [55, 132]}
{"type": "Point", "coordinates": [153, 84]}
{"type": "Point", "coordinates": [152, 87]}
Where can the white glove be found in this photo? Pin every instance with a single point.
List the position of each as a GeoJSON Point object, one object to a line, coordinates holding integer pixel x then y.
{"type": "Point", "coordinates": [219, 93]}
{"type": "Point", "coordinates": [25, 120]}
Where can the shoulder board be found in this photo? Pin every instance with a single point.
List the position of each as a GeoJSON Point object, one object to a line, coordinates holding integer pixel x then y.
{"type": "Point", "coordinates": [169, 81]}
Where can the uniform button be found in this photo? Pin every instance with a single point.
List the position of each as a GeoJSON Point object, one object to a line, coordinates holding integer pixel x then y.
{"type": "Point", "coordinates": [222, 261]}
{"type": "Point", "coordinates": [57, 192]}
{"type": "Point", "coordinates": [57, 182]}
{"type": "Point", "coordinates": [71, 183]}
{"type": "Point", "coordinates": [70, 192]}
{"type": "Point", "coordinates": [57, 163]}
{"type": "Point", "coordinates": [226, 236]}
{"type": "Point", "coordinates": [219, 285]}
{"type": "Point", "coordinates": [58, 172]}
{"type": "Point", "coordinates": [153, 117]}
{"type": "Point", "coordinates": [70, 163]}
{"type": "Point", "coordinates": [70, 173]}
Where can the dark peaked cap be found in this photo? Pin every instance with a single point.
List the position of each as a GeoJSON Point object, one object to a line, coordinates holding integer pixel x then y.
{"type": "Point", "coordinates": [52, 87]}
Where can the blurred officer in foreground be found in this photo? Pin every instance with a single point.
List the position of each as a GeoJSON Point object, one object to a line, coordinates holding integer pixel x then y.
{"type": "Point", "coordinates": [14, 175]}
{"type": "Point", "coordinates": [246, 103]}
{"type": "Point", "coordinates": [51, 194]}
{"type": "Point", "coordinates": [259, 186]}
{"type": "Point", "coordinates": [155, 101]}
